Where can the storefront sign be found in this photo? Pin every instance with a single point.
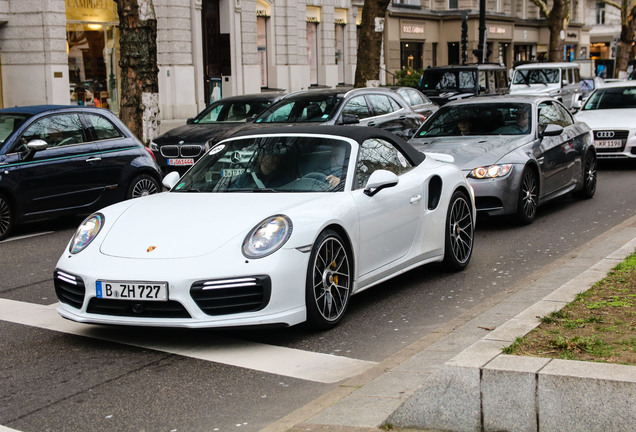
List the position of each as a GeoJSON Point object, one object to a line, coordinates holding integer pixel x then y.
{"type": "Point", "coordinates": [103, 11]}
{"type": "Point", "coordinates": [499, 31]}
{"type": "Point", "coordinates": [263, 9]}
{"type": "Point", "coordinates": [412, 29]}
{"type": "Point", "coordinates": [313, 14]}
{"type": "Point", "coordinates": [572, 35]}
{"type": "Point", "coordinates": [340, 16]}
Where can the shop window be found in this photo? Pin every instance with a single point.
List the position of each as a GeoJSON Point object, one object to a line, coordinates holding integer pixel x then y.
{"type": "Point", "coordinates": [93, 57]}
{"type": "Point", "coordinates": [411, 55]}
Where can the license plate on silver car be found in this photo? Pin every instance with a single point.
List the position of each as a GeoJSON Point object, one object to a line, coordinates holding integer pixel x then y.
{"type": "Point", "coordinates": [608, 143]}
{"type": "Point", "coordinates": [126, 290]}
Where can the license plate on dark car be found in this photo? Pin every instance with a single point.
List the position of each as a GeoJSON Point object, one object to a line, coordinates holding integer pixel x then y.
{"type": "Point", "coordinates": [125, 290]}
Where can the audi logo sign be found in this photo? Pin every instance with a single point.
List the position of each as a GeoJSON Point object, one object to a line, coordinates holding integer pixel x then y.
{"type": "Point", "coordinates": [605, 134]}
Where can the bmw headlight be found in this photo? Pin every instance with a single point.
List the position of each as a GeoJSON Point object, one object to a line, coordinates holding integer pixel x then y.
{"type": "Point", "coordinates": [492, 171]}
{"type": "Point", "coordinates": [86, 232]}
{"type": "Point", "coordinates": [267, 237]}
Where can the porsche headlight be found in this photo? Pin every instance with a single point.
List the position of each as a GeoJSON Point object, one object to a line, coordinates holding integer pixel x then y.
{"type": "Point", "coordinates": [86, 232]}
{"type": "Point", "coordinates": [492, 171]}
{"type": "Point", "coordinates": [267, 237]}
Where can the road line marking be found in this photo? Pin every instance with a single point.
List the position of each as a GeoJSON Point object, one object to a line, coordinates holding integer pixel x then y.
{"type": "Point", "coordinates": [290, 362]}
{"type": "Point", "coordinates": [26, 236]}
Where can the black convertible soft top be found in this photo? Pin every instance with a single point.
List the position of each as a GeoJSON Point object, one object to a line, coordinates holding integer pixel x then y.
{"type": "Point", "coordinates": [356, 133]}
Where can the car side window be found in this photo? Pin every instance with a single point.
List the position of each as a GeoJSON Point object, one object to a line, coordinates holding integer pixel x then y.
{"type": "Point", "coordinates": [414, 97]}
{"type": "Point", "coordinates": [491, 81]}
{"type": "Point", "coordinates": [104, 129]}
{"type": "Point", "coordinates": [553, 113]}
{"type": "Point", "coordinates": [375, 154]}
{"type": "Point", "coordinates": [56, 130]}
{"type": "Point", "coordinates": [357, 105]}
{"type": "Point", "coordinates": [381, 104]}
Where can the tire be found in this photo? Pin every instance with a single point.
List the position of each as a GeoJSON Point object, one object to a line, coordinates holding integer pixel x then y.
{"type": "Point", "coordinates": [142, 185]}
{"type": "Point", "coordinates": [329, 281]}
{"type": "Point", "coordinates": [589, 177]}
{"type": "Point", "coordinates": [528, 200]}
{"type": "Point", "coordinates": [460, 233]}
{"type": "Point", "coordinates": [7, 217]}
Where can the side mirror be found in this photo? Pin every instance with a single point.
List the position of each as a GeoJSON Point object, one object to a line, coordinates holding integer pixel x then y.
{"type": "Point", "coordinates": [347, 119]}
{"type": "Point", "coordinates": [171, 179]}
{"type": "Point", "coordinates": [190, 120]}
{"type": "Point", "coordinates": [552, 130]}
{"type": "Point", "coordinates": [379, 180]}
{"type": "Point", "coordinates": [34, 146]}
{"type": "Point", "coordinates": [37, 145]}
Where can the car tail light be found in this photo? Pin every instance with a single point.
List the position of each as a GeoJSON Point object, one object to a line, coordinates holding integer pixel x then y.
{"type": "Point", "coordinates": [151, 153]}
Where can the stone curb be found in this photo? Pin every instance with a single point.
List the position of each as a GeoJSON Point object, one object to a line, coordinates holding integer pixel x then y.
{"type": "Point", "coordinates": [482, 389]}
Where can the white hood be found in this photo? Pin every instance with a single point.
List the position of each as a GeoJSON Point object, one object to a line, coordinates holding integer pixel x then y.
{"type": "Point", "coordinates": [608, 118]}
{"type": "Point", "coordinates": [180, 225]}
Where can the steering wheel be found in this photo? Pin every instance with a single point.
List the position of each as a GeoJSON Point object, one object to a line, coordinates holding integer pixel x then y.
{"type": "Point", "coordinates": [319, 179]}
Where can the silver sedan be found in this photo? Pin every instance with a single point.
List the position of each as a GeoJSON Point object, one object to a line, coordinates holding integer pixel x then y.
{"type": "Point", "coordinates": [517, 152]}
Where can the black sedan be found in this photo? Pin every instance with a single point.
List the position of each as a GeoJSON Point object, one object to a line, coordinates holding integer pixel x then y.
{"type": "Point", "coordinates": [58, 160]}
{"type": "Point", "coordinates": [178, 149]}
{"type": "Point", "coordinates": [372, 106]}
{"type": "Point", "coordinates": [517, 152]}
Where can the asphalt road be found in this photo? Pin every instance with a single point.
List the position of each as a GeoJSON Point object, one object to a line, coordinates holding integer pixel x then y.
{"type": "Point", "coordinates": [62, 376]}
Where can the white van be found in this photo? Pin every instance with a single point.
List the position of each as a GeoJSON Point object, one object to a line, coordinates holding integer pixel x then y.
{"type": "Point", "coordinates": [559, 80]}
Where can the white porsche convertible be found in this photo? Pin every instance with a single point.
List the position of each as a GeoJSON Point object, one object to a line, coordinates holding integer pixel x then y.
{"type": "Point", "coordinates": [272, 226]}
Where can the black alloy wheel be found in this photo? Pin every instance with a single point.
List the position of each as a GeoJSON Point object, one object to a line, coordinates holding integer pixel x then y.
{"type": "Point", "coordinates": [589, 177]}
{"type": "Point", "coordinates": [6, 217]}
{"type": "Point", "coordinates": [329, 281]}
{"type": "Point", "coordinates": [528, 197]}
{"type": "Point", "coordinates": [460, 233]}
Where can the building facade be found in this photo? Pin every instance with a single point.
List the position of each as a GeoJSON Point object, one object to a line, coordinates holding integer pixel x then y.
{"type": "Point", "coordinates": [66, 51]}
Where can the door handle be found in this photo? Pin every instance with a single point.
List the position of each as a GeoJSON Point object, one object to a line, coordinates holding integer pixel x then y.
{"type": "Point", "coordinates": [541, 159]}
{"type": "Point", "coordinates": [372, 124]}
{"type": "Point", "coordinates": [93, 159]}
{"type": "Point", "coordinates": [415, 199]}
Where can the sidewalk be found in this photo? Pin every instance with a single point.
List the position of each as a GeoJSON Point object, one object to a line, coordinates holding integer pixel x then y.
{"type": "Point", "coordinates": [457, 379]}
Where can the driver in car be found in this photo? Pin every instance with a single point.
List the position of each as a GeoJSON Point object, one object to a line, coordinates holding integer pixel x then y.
{"type": "Point", "coordinates": [270, 171]}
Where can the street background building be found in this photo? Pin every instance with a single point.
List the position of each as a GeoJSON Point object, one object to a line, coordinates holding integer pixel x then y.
{"type": "Point", "coordinates": [66, 51]}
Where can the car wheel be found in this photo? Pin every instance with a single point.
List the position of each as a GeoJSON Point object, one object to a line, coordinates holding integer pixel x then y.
{"type": "Point", "coordinates": [589, 177]}
{"type": "Point", "coordinates": [527, 202]}
{"type": "Point", "coordinates": [329, 281]}
{"type": "Point", "coordinates": [142, 185]}
{"type": "Point", "coordinates": [6, 217]}
{"type": "Point", "coordinates": [460, 231]}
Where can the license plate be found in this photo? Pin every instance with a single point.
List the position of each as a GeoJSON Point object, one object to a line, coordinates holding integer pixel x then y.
{"type": "Point", "coordinates": [608, 143]}
{"type": "Point", "coordinates": [126, 290]}
{"type": "Point", "coordinates": [231, 172]}
{"type": "Point", "coordinates": [180, 162]}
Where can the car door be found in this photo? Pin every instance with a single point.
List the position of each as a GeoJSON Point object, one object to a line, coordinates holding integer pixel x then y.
{"type": "Point", "coordinates": [389, 219]}
{"type": "Point", "coordinates": [118, 152]}
{"type": "Point", "coordinates": [390, 115]}
{"type": "Point", "coordinates": [557, 153]}
{"type": "Point", "coordinates": [62, 175]}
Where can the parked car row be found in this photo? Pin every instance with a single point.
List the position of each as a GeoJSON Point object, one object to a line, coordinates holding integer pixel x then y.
{"type": "Point", "coordinates": [178, 149]}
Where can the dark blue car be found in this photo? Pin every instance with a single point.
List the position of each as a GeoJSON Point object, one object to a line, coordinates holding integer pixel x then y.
{"type": "Point", "coordinates": [58, 160]}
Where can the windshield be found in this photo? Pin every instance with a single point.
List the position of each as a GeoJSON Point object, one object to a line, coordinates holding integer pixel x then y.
{"type": "Point", "coordinates": [310, 108]}
{"type": "Point", "coordinates": [449, 79]}
{"type": "Point", "coordinates": [271, 164]}
{"type": "Point", "coordinates": [478, 119]}
{"type": "Point", "coordinates": [228, 111]}
{"type": "Point", "coordinates": [536, 76]}
{"type": "Point", "coordinates": [9, 123]}
{"type": "Point", "coordinates": [612, 98]}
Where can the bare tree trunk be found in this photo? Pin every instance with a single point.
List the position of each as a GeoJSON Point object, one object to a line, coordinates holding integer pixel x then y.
{"type": "Point", "coordinates": [628, 31]}
{"type": "Point", "coordinates": [558, 19]}
{"type": "Point", "coordinates": [139, 107]}
{"type": "Point", "coordinates": [370, 44]}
